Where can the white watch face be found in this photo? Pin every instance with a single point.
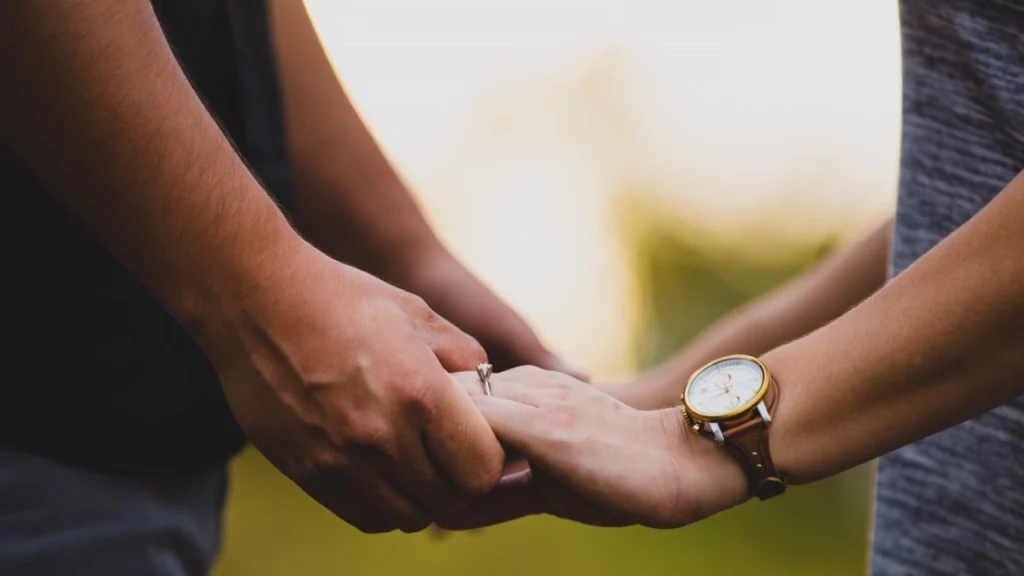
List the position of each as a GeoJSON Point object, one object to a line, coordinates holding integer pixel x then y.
{"type": "Point", "coordinates": [724, 387]}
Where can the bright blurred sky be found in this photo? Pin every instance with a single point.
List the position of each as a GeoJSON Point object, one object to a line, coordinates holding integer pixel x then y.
{"type": "Point", "coordinates": [518, 124]}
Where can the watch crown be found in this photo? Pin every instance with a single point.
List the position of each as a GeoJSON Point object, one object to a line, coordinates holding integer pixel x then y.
{"type": "Point", "coordinates": [686, 418]}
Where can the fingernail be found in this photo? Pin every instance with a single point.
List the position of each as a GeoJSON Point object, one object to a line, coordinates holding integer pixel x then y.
{"type": "Point", "coordinates": [517, 479]}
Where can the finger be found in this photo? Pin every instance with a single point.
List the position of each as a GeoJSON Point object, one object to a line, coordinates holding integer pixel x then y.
{"type": "Point", "coordinates": [510, 389]}
{"type": "Point", "coordinates": [454, 349]}
{"type": "Point", "coordinates": [546, 360]}
{"type": "Point", "coordinates": [416, 473]}
{"type": "Point", "coordinates": [513, 422]}
{"type": "Point", "coordinates": [461, 442]}
{"type": "Point", "coordinates": [392, 505]}
{"type": "Point", "coordinates": [534, 377]}
{"type": "Point", "coordinates": [504, 503]}
{"type": "Point", "coordinates": [526, 493]}
{"type": "Point", "coordinates": [514, 465]}
{"type": "Point", "coordinates": [513, 343]}
{"type": "Point", "coordinates": [350, 501]}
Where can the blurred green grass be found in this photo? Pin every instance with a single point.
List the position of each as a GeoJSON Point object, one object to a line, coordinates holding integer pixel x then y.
{"type": "Point", "coordinates": [687, 281]}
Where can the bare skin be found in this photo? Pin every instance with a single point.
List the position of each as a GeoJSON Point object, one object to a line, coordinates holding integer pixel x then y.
{"type": "Point", "coordinates": [339, 378]}
{"type": "Point", "coordinates": [810, 301]}
{"type": "Point", "coordinates": [937, 345]}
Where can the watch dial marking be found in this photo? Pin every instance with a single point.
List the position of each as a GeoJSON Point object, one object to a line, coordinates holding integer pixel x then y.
{"type": "Point", "coordinates": [725, 386]}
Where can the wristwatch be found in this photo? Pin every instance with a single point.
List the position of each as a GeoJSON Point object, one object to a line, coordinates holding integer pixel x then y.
{"type": "Point", "coordinates": [731, 400]}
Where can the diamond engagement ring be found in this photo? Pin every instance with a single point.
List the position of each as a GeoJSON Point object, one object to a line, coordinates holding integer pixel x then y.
{"type": "Point", "coordinates": [484, 372]}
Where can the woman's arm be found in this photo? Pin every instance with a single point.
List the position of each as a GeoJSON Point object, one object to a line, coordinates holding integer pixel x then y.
{"type": "Point", "coordinates": [941, 343]}
{"type": "Point", "coordinates": [802, 305]}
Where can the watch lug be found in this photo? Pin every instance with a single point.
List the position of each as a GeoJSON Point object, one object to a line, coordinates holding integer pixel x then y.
{"type": "Point", "coordinates": [717, 430]}
{"type": "Point", "coordinates": [763, 411]}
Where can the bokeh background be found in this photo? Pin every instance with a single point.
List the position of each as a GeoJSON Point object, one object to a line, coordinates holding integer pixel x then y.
{"type": "Point", "coordinates": [623, 172]}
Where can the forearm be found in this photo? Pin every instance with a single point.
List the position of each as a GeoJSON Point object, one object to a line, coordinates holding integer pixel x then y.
{"type": "Point", "coordinates": [941, 343]}
{"type": "Point", "coordinates": [103, 114]}
{"type": "Point", "coordinates": [799, 307]}
{"type": "Point", "coordinates": [348, 198]}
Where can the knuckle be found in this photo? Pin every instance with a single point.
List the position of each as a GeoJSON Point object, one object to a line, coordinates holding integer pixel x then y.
{"type": "Point", "coordinates": [417, 398]}
{"type": "Point", "coordinates": [474, 351]}
{"type": "Point", "coordinates": [459, 340]}
{"type": "Point", "coordinates": [462, 350]}
{"type": "Point", "coordinates": [474, 347]}
{"type": "Point", "coordinates": [417, 391]}
{"type": "Point", "coordinates": [370, 432]}
{"type": "Point", "coordinates": [417, 307]}
{"type": "Point", "coordinates": [562, 395]}
{"type": "Point", "coordinates": [564, 427]}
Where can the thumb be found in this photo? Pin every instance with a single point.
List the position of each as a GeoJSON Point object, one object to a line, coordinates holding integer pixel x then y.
{"type": "Point", "coordinates": [461, 441]}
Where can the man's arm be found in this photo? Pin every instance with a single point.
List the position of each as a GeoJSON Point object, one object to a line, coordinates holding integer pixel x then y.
{"type": "Point", "coordinates": [350, 202]}
{"type": "Point", "coordinates": [339, 378]}
{"type": "Point", "coordinates": [797, 308]}
{"type": "Point", "coordinates": [348, 198]}
{"type": "Point", "coordinates": [95, 104]}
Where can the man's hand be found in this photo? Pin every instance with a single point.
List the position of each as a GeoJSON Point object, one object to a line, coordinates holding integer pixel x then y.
{"type": "Point", "coordinates": [596, 460]}
{"type": "Point", "coordinates": [340, 380]}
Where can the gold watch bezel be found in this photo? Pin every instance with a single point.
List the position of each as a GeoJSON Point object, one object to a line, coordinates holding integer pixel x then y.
{"type": "Point", "coordinates": [766, 378]}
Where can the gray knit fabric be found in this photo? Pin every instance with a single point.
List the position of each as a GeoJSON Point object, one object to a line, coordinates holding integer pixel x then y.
{"type": "Point", "coordinates": [954, 502]}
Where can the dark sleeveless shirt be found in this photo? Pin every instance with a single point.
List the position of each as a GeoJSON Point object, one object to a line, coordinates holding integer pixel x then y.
{"type": "Point", "coordinates": [97, 373]}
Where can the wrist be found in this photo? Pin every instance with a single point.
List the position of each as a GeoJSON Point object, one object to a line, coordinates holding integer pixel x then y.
{"type": "Point", "coordinates": [711, 479]}
{"type": "Point", "coordinates": [787, 441]}
{"type": "Point", "coordinates": [229, 276]}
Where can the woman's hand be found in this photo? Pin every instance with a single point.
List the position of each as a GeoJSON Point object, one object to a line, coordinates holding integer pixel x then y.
{"type": "Point", "coordinates": [594, 459]}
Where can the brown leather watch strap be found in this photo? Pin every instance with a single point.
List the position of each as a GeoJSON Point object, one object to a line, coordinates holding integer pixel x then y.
{"type": "Point", "coordinates": [748, 441]}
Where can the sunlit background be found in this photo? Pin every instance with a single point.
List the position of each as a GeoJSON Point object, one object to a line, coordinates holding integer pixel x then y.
{"type": "Point", "coordinates": [622, 172]}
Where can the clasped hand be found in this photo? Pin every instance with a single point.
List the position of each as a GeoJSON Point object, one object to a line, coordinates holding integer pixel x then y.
{"type": "Point", "coordinates": [343, 383]}
{"type": "Point", "coordinates": [593, 459]}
